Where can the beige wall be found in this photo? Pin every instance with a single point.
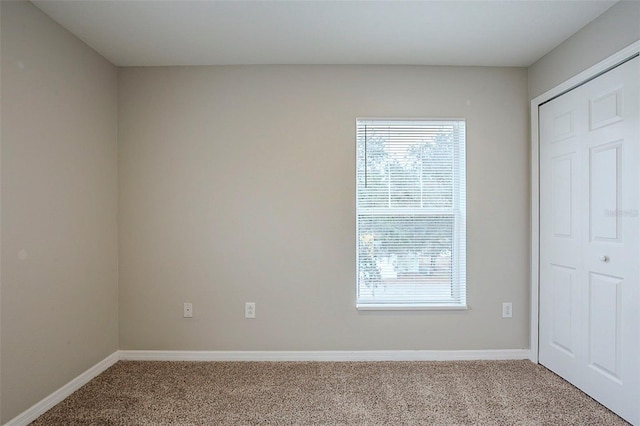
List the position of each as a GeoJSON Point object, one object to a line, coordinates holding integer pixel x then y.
{"type": "Point", "coordinates": [612, 31]}
{"type": "Point", "coordinates": [59, 207]}
{"type": "Point", "coordinates": [237, 184]}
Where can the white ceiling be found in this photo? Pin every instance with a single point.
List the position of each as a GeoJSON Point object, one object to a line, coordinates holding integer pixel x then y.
{"type": "Point", "coordinates": [184, 32]}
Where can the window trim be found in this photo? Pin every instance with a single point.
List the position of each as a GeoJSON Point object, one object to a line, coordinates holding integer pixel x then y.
{"type": "Point", "coordinates": [411, 307]}
{"type": "Point", "coordinates": [419, 306]}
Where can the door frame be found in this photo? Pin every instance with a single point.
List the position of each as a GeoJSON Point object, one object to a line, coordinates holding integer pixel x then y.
{"type": "Point", "coordinates": [575, 81]}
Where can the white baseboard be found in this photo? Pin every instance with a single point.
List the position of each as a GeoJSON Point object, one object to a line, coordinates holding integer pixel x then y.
{"type": "Point", "coordinates": [56, 397]}
{"type": "Point", "coordinates": [417, 355]}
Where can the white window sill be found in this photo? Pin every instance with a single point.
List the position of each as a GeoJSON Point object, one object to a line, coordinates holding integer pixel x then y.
{"type": "Point", "coordinates": [408, 307]}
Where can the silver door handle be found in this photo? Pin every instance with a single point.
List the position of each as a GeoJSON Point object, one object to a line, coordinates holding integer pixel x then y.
{"type": "Point", "coordinates": [604, 258]}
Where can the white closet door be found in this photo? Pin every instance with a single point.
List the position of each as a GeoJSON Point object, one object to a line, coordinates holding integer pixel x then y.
{"type": "Point", "coordinates": [589, 238]}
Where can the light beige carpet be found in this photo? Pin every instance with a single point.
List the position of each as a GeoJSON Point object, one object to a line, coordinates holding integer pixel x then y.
{"type": "Point", "coordinates": [328, 393]}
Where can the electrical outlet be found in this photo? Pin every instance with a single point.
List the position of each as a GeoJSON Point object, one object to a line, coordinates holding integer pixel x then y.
{"type": "Point", "coordinates": [507, 310]}
{"type": "Point", "coordinates": [250, 310]}
{"type": "Point", "coordinates": [188, 310]}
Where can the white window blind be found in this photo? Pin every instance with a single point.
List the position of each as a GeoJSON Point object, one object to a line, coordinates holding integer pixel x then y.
{"type": "Point", "coordinates": [410, 206]}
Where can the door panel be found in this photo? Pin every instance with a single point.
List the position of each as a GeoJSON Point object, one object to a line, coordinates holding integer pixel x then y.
{"type": "Point", "coordinates": [563, 126]}
{"type": "Point", "coordinates": [605, 109]}
{"type": "Point", "coordinates": [604, 325]}
{"type": "Point", "coordinates": [560, 299]}
{"type": "Point", "coordinates": [611, 259]}
{"type": "Point", "coordinates": [563, 307]}
{"type": "Point", "coordinates": [590, 239]}
{"type": "Point", "coordinates": [561, 202]}
{"type": "Point", "coordinates": [604, 187]}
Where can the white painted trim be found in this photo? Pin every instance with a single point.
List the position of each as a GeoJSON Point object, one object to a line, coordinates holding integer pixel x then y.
{"type": "Point", "coordinates": [56, 397]}
{"type": "Point", "coordinates": [591, 72]}
{"type": "Point", "coordinates": [408, 307]}
{"type": "Point", "coordinates": [417, 355]}
{"type": "Point", "coordinates": [535, 233]}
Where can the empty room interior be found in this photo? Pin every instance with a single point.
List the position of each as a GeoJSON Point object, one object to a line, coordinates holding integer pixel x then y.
{"type": "Point", "coordinates": [319, 212]}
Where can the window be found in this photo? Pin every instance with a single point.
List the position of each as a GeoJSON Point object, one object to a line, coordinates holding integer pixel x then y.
{"type": "Point", "coordinates": [410, 207]}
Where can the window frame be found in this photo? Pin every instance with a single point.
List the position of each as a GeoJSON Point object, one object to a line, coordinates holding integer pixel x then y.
{"type": "Point", "coordinates": [458, 214]}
